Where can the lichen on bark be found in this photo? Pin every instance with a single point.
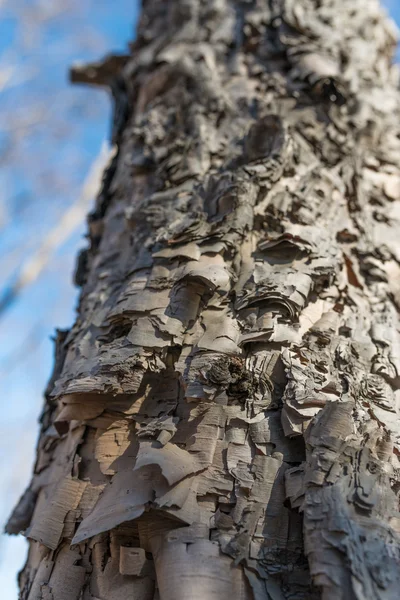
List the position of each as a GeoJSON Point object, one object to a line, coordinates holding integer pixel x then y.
{"type": "Point", "coordinates": [223, 420]}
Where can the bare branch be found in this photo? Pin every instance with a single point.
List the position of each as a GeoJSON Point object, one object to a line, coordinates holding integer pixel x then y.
{"type": "Point", "coordinates": [75, 214]}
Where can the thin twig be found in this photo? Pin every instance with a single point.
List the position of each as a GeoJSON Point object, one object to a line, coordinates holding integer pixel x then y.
{"type": "Point", "coordinates": [75, 214]}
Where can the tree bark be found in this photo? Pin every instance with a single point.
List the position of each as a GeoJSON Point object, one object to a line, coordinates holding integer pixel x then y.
{"type": "Point", "coordinates": [223, 417]}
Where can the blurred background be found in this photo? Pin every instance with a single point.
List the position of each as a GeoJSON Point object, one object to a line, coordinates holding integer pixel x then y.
{"type": "Point", "coordinates": [51, 137]}
{"type": "Point", "coordinates": [51, 134]}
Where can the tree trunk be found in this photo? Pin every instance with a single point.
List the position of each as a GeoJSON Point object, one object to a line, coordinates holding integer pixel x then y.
{"type": "Point", "coordinates": [222, 422]}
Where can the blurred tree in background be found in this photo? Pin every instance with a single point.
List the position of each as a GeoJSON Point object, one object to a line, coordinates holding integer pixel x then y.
{"type": "Point", "coordinates": [50, 135]}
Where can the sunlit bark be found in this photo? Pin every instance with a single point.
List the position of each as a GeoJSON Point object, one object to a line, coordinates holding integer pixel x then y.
{"type": "Point", "coordinates": [223, 418]}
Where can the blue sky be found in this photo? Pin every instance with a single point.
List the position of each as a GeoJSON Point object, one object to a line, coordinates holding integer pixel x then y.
{"type": "Point", "coordinates": [42, 169]}
{"type": "Point", "coordinates": [50, 133]}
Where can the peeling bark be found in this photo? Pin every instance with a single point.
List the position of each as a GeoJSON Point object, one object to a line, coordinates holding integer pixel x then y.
{"type": "Point", "coordinates": [223, 418]}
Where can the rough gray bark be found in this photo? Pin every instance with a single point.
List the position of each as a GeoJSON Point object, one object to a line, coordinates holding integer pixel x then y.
{"type": "Point", "coordinates": [222, 422]}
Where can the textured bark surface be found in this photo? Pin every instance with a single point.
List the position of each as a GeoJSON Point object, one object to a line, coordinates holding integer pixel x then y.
{"type": "Point", "coordinates": [223, 418]}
